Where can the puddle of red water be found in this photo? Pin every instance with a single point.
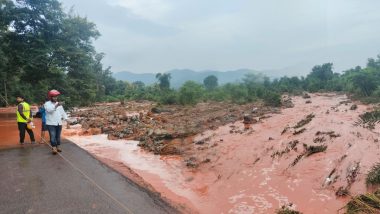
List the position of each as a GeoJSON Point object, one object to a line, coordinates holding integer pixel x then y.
{"type": "Point", "coordinates": [9, 134]}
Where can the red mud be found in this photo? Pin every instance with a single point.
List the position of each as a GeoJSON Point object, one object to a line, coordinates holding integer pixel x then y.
{"type": "Point", "coordinates": [9, 138]}
{"type": "Point", "coordinates": [9, 135]}
{"type": "Point", "coordinates": [157, 174]}
{"type": "Point", "coordinates": [237, 172]}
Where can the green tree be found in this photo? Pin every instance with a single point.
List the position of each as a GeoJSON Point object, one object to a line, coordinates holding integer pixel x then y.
{"type": "Point", "coordinates": [169, 97]}
{"type": "Point", "coordinates": [319, 77]}
{"type": "Point", "coordinates": [164, 80]}
{"type": "Point", "coordinates": [237, 93]}
{"type": "Point", "coordinates": [322, 72]}
{"type": "Point", "coordinates": [365, 83]}
{"type": "Point", "coordinates": [272, 99]}
{"type": "Point", "coordinates": [374, 63]}
{"type": "Point", "coordinates": [190, 93]}
{"type": "Point", "coordinates": [286, 84]}
{"type": "Point", "coordinates": [138, 84]}
{"type": "Point", "coordinates": [210, 82]}
{"type": "Point", "coordinates": [255, 85]}
{"type": "Point", "coordinates": [42, 47]}
{"type": "Point", "coordinates": [218, 94]}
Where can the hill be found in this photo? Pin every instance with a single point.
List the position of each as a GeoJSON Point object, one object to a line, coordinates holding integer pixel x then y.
{"type": "Point", "coordinates": [179, 76]}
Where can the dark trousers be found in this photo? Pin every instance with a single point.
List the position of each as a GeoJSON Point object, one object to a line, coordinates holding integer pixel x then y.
{"type": "Point", "coordinates": [21, 128]}
{"type": "Point", "coordinates": [55, 135]}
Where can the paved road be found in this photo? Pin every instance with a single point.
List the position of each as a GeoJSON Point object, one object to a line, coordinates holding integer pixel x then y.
{"type": "Point", "coordinates": [34, 181]}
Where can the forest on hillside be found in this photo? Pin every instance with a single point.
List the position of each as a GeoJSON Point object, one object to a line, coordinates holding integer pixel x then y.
{"type": "Point", "coordinates": [42, 48]}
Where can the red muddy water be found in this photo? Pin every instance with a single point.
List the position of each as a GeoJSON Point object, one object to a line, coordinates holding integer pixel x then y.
{"type": "Point", "coordinates": [9, 135]}
{"type": "Point", "coordinates": [241, 172]}
{"type": "Point", "coordinates": [253, 170]}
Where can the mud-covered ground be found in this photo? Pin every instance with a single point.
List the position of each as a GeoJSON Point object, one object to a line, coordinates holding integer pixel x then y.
{"type": "Point", "coordinates": [311, 157]}
{"type": "Point", "coordinates": [156, 126]}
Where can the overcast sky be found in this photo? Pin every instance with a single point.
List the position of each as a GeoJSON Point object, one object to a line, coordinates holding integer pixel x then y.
{"type": "Point", "coordinates": [159, 35]}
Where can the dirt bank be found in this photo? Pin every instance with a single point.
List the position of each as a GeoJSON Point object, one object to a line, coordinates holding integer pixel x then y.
{"type": "Point", "coordinates": [301, 156]}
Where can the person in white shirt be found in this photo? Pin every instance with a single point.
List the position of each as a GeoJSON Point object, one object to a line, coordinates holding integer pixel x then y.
{"type": "Point", "coordinates": [54, 115]}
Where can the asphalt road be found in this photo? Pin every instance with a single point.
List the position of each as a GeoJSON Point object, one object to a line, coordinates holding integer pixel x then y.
{"type": "Point", "coordinates": [32, 180]}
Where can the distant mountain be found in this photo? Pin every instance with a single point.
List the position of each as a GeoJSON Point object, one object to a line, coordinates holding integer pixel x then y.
{"type": "Point", "coordinates": [147, 78]}
{"type": "Point", "coordinates": [179, 76]}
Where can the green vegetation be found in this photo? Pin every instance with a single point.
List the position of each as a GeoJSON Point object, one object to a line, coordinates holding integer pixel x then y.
{"type": "Point", "coordinates": [210, 82]}
{"type": "Point", "coordinates": [272, 99]}
{"type": "Point", "coordinates": [366, 203]}
{"type": "Point", "coordinates": [164, 80]}
{"type": "Point", "coordinates": [309, 150]}
{"type": "Point", "coordinates": [190, 93]}
{"type": "Point", "coordinates": [373, 177]}
{"type": "Point", "coordinates": [42, 47]}
{"type": "Point", "coordinates": [369, 119]}
{"type": "Point", "coordinates": [287, 210]}
{"type": "Point", "coordinates": [295, 161]}
{"type": "Point", "coordinates": [300, 131]}
{"type": "Point", "coordinates": [305, 121]}
{"type": "Point", "coordinates": [361, 83]}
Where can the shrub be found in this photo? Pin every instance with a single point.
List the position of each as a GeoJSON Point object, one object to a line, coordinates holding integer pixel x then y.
{"type": "Point", "coordinates": [171, 97]}
{"type": "Point", "coordinates": [309, 150]}
{"type": "Point", "coordinates": [216, 95]}
{"type": "Point", "coordinates": [287, 210]}
{"type": "Point", "coordinates": [237, 93]}
{"type": "Point", "coordinates": [366, 203]}
{"type": "Point", "coordinates": [373, 176]}
{"type": "Point", "coordinates": [305, 121]}
{"type": "Point", "coordinates": [272, 99]}
{"type": "Point", "coordinates": [190, 93]}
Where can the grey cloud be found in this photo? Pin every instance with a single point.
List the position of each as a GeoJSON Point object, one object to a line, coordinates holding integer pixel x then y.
{"type": "Point", "coordinates": [225, 35]}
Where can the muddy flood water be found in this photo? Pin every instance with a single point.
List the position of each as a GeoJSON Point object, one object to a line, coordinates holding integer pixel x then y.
{"type": "Point", "coordinates": [9, 135]}
{"type": "Point", "coordinates": [260, 169]}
